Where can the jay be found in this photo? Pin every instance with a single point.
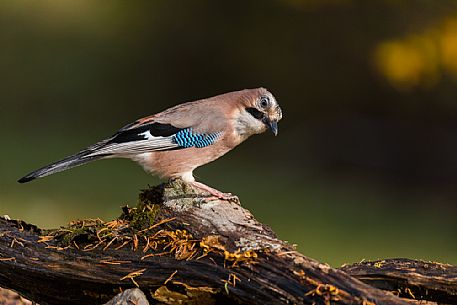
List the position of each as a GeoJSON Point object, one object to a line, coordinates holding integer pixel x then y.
{"type": "Point", "coordinates": [174, 142]}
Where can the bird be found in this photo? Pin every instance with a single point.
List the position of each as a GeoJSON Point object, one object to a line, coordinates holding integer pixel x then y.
{"type": "Point", "coordinates": [173, 143]}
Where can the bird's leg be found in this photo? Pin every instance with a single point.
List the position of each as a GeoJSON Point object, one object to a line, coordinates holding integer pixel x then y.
{"type": "Point", "coordinates": [215, 193]}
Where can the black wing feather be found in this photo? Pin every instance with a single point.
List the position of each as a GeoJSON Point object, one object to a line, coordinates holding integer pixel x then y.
{"type": "Point", "coordinates": [134, 134]}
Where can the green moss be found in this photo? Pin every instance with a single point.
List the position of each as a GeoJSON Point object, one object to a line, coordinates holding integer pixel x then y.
{"type": "Point", "coordinates": [146, 211]}
{"type": "Point", "coordinates": [144, 217]}
{"type": "Point", "coordinates": [79, 231]}
{"type": "Point", "coordinates": [80, 234]}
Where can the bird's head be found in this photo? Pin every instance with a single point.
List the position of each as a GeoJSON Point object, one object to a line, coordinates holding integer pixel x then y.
{"type": "Point", "coordinates": [259, 112]}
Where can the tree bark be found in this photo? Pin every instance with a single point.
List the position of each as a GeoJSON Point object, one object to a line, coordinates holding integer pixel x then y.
{"type": "Point", "coordinates": [178, 247]}
{"type": "Point", "coordinates": [409, 278]}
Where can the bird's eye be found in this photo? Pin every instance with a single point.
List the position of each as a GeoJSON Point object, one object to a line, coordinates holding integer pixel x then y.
{"type": "Point", "coordinates": [264, 102]}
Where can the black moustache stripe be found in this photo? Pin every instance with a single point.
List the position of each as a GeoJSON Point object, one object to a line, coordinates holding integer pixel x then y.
{"type": "Point", "coordinates": [255, 113]}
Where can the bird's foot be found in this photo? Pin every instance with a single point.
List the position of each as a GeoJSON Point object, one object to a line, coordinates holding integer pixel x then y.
{"type": "Point", "coordinates": [224, 196]}
{"type": "Point", "coordinates": [215, 193]}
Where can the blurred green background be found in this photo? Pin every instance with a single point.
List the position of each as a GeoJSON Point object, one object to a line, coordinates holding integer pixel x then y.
{"type": "Point", "coordinates": [365, 164]}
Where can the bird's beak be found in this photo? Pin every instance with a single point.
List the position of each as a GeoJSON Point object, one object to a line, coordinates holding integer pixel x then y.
{"type": "Point", "coordinates": [273, 125]}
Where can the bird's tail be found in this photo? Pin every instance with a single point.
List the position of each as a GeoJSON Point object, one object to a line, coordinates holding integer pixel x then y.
{"type": "Point", "coordinates": [78, 159]}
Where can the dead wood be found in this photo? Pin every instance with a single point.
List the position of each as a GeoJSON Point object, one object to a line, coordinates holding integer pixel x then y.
{"type": "Point", "coordinates": [408, 278]}
{"type": "Point", "coordinates": [177, 248]}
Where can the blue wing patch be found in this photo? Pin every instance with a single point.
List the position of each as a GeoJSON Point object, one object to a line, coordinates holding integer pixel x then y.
{"type": "Point", "coordinates": [186, 138]}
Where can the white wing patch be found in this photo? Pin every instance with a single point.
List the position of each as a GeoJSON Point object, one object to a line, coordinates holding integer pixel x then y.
{"type": "Point", "coordinates": [147, 135]}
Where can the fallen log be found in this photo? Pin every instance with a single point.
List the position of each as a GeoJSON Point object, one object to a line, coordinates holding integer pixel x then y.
{"type": "Point", "coordinates": [177, 247]}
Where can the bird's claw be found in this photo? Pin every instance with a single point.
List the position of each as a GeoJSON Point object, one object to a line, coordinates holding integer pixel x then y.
{"type": "Point", "coordinates": [230, 197]}
{"type": "Point", "coordinates": [215, 194]}
{"type": "Point", "coordinates": [223, 196]}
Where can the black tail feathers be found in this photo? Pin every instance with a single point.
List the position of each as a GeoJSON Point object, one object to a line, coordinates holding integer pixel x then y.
{"type": "Point", "coordinates": [59, 166]}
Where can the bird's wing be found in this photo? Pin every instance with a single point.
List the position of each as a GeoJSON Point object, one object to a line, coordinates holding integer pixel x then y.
{"type": "Point", "coordinates": [150, 136]}
{"type": "Point", "coordinates": [193, 124]}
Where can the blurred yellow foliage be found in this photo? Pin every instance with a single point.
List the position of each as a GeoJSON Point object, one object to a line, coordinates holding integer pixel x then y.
{"type": "Point", "coordinates": [418, 60]}
{"type": "Point", "coordinates": [448, 45]}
